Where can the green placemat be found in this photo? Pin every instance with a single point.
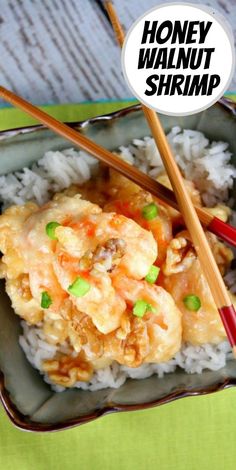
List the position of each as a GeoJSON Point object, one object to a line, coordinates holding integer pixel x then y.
{"type": "Point", "coordinates": [190, 434]}
{"type": "Point", "coordinates": [193, 433]}
{"type": "Point", "coordinates": [11, 117]}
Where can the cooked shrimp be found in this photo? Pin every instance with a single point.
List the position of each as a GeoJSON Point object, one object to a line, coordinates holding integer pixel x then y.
{"type": "Point", "coordinates": [102, 302]}
{"type": "Point", "coordinates": [183, 276]}
{"type": "Point", "coordinates": [190, 186]}
{"type": "Point", "coordinates": [221, 211]}
{"type": "Point", "coordinates": [204, 325]}
{"type": "Point", "coordinates": [120, 187]}
{"type": "Point", "coordinates": [128, 199]}
{"type": "Point", "coordinates": [141, 248]}
{"type": "Point", "coordinates": [11, 223]}
{"type": "Point", "coordinates": [85, 234]}
{"type": "Point", "coordinates": [155, 337]}
{"type": "Point", "coordinates": [22, 300]}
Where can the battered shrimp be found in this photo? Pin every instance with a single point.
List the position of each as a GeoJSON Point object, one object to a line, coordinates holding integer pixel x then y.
{"type": "Point", "coordinates": [12, 265]}
{"type": "Point", "coordinates": [102, 302]}
{"type": "Point", "coordinates": [87, 244]}
{"type": "Point", "coordinates": [183, 277]}
{"type": "Point", "coordinates": [23, 302]}
{"type": "Point", "coordinates": [36, 249]}
{"type": "Point", "coordinates": [11, 223]}
{"type": "Point", "coordinates": [220, 210]}
{"type": "Point", "coordinates": [155, 337]}
{"type": "Point", "coordinates": [115, 193]}
{"type": "Point", "coordinates": [126, 198]}
{"type": "Point", "coordinates": [141, 248]}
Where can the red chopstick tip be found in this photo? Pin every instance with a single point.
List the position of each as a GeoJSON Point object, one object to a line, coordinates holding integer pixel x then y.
{"type": "Point", "coordinates": [223, 230]}
{"type": "Point", "coordinates": [228, 317]}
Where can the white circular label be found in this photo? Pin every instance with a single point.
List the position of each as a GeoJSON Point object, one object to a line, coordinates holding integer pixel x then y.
{"type": "Point", "coordinates": [179, 58]}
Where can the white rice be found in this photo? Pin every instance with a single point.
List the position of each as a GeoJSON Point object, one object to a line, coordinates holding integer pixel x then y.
{"type": "Point", "coordinates": [52, 173]}
{"type": "Point", "coordinates": [58, 170]}
{"type": "Point", "coordinates": [194, 155]}
{"type": "Point", "coordinates": [193, 359]}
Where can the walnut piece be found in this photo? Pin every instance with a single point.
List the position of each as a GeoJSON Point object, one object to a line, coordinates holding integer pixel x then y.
{"type": "Point", "coordinates": [179, 257]}
{"type": "Point", "coordinates": [107, 255]}
{"type": "Point", "coordinates": [67, 370]}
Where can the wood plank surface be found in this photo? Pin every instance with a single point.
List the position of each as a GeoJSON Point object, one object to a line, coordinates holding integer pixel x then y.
{"type": "Point", "coordinates": [58, 51]}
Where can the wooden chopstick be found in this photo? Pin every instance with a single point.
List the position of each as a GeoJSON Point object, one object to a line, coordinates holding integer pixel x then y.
{"type": "Point", "coordinates": [206, 258]}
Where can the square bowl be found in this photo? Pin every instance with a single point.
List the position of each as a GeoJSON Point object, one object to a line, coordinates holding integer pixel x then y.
{"type": "Point", "coordinates": [28, 400]}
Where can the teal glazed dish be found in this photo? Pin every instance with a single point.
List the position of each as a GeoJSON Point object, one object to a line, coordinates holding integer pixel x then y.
{"type": "Point", "coordinates": [28, 400]}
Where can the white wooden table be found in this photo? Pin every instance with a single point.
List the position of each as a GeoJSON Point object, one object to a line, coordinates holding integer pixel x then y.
{"type": "Point", "coordinates": [58, 51]}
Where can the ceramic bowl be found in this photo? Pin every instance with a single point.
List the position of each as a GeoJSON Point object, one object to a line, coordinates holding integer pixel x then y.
{"type": "Point", "coordinates": [27, 399]}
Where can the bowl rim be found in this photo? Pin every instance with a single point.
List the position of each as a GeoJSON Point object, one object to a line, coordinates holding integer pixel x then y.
{"type": "Point", "coordinates": [225, 103]}
{"type": "Point", "coordinates": [20, 420]}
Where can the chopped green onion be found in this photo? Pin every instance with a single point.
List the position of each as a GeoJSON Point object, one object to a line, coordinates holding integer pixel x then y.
{"type": "Point", "coordinates": [50, 229]}
{"type": "Point", "coordinates": [141, 307]}
{"type": "Point", "coordinates": [79, 288]}
{"type": "Point", "coordinates": [150, 308]}
{"type": "Point", "coordinates": [150, 211]}
{"type": "Point", "coordinates": [152, 275]}
{"type": "Point", "coordinates": [46, 300]}
{"type": "Point", "coordinates": [192, 302]}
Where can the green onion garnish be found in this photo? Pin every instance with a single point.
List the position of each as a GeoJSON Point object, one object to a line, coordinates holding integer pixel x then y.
{"type": "Point", "coordinates": [192, 302]}
{"type": "Point", "coordinates": [152, 275]}
{"type": "Point", "coordinates": [150, 211]}
{"type": "Point", "coordinates": [50, 229]}
{"type": "Point", "coordinates": [46, 300]}
{"type": "Point", "coordinates": [79, 288]}
{"type": "Point", "coordinates": [141, 307]}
